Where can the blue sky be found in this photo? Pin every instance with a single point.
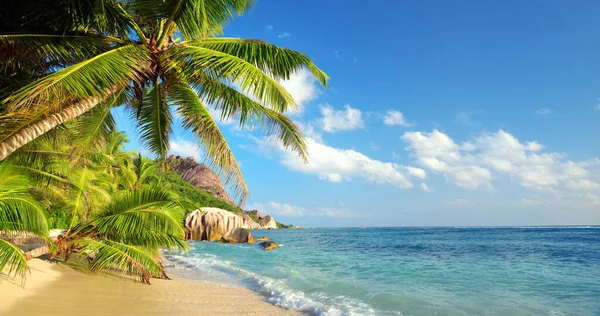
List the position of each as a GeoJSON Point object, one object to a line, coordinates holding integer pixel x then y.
{"type": "Point", "coordinates": [438, 113]}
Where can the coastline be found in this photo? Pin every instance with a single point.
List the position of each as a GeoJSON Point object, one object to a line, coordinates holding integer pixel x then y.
{"type": "Point", "coordinates": [57, 289]}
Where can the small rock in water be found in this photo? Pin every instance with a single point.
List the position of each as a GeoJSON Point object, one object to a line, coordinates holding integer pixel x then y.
{"type": "Point", "coordinates": [268, 245]}
{"type": "Point", "coordinates": [239, 235]}
{"type": "Point", "coordinates": [263, 238]}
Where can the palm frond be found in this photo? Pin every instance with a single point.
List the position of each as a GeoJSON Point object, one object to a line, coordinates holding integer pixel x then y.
{"type": "Point", "coordinates": [95, 126]}
{"type": "Point", "coordinates": [145, 170]}
{"type": "Point", "coordinates": [109, 17]}
{"type": "Point", "coordinates": [194, 18]}
{"type": "Point", "coordinates": [275, 60]}
{"type": "Point", "coordinates": [94, 77]}
{"type": "Point", "coordinates": [12, 260]}
{"type": "Point", "coordinates": [197, 118]}
{"type": "Point", "coordinates": [231, 103]}
{"type": "Point", "coordinates": [18, 210]}
{"type": "Point", "coordinates": [146, 217]}
{"type": "Point", "coordinates": [195, 60]}
{"type": "Point", "coordinates": [121, 257]}
{"type": "Point", "coordinates": [80, 183]}
{"type": "Point", "coordinates": [155, 122]}
{"type": "Point", "coordinates": [17, 50]}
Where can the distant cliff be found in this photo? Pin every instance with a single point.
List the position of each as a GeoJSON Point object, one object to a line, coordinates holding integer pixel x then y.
{"type": "Point", "coordinates": [200, 176]}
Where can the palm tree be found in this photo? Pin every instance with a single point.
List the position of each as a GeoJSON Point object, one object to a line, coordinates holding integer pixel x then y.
{"type": "Point", "coordinates": [154, 58]}
{"type": "Point", "coordinates": [19, 213]}
{"type": "Point", "coordinates": [115, 230]}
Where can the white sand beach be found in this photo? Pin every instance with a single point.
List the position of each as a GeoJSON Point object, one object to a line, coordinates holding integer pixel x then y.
{"type": "Point", "coordinates": [56, 289]}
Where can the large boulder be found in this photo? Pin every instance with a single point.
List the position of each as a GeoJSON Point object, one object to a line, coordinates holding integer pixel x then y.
{"type": "Point", "coordinates": [249, 223]}
{"type": "Point", "coordinates": [268, 222]}
{"type": "Point", "coordinates": [199, 175]}
{"type": "Point", "coordinates": [211, 223]}
{"type": "Point", "coordinates": [268, 245]}
{"type": "Point", "coordinates": [239, 235]}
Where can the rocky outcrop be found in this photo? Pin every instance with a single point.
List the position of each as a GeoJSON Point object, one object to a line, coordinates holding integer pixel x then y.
{"type": "Point", "coordinates": [268, 222]}
{"type": "Point", "coordinates": [239, 235]}
{"type": "Point", "coordinates": [255, 213]}
{"type": "Point", "coordinates": [269, 245]}
{"type": "Point", "coordinates": [249, 223]}
{"type": "Point", "coordinates": [199, 175]}
{"type": "Point", "coordinates": [212, 224]}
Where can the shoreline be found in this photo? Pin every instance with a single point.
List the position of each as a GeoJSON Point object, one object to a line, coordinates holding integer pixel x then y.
{"type": "Point", "coordinates": [57, 289]}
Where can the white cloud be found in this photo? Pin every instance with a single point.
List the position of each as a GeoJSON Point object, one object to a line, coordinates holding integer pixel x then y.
{"type": "Point", "coordinates": [341, 165]}
{"type": "Point", "coordinates": [597, 107]}
{"type": "Point", "coordinates": [280, 209]}
{"type": "Point", "coordinates": [338, 165]}
{"type": "Point", "coordinates": [336, 213]}
{"type": "Point", "coordinates": [284, 35]}
{"type": "Point", "coordinates": [476, 163]}
{"type": "Point", "coordinates": [531, 202]}
{"type": "Point", "coordinates": [303, 87]}
{"type": "Point", "coordinates": [583, 185]}
{"type": "Point", "coordinates": [544, 111]}
{"type": "Point", "coordinates": [185, 148]}
{"type": "Point", "coordinates": [459, 202]}
{"type": "Point", "coordinates": [274, 208]}
{"type": "Point", "coordinates": [425, 187]}
{"type": "Point", "coordinates": [393, 117]}
{"type": "Point", "coordinates": [341, 120]}
{"type": "Point", "coordinates": [269, 27]}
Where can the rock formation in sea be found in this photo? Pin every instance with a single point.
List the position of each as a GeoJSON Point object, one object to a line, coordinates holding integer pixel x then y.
{"type": "Point", "coordinates": [269, 245]}
{"type": "Point", "coordinates": [199, 175]}
{"type": "Point", "coordinates": [268, 222]}
{"type": "Point", "coordinates": [239, 235]}
{"type": "Point", "coordinates": [212, 224]}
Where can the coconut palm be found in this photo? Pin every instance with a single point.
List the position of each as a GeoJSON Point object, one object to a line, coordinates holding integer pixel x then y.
{"type": "Point", "coordinates": [19, 213]}
{"type": "Point", "coordinates": [125, 236]}
{"type": "Point", "coordinates": [155, 58]}
{"type": "Point", "coordinates": [116, 230]}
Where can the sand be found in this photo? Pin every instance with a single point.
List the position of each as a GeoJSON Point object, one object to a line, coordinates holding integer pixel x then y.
{"type": "Point", "coordinates": [56, 289]}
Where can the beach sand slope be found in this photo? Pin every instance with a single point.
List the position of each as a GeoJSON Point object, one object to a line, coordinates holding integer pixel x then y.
{"type": "Point", "coordinates": [55, 289]}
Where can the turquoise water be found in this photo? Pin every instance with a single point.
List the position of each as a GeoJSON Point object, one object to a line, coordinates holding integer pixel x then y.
{"type": "Point", "coordinates": [413, 271]}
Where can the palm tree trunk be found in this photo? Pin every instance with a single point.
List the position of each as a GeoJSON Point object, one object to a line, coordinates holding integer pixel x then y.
{"type": "Point", "coordinates": [39, 251]}
{"type": "Point", "coordinates": [37, 129]}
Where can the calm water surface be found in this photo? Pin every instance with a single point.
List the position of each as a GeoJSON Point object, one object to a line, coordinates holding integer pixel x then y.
{"type": "Point", "coordinates": [413, 271]}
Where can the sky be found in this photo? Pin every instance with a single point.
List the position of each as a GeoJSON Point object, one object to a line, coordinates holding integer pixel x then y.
{"type": "Point", "coordinates": [438, 113]}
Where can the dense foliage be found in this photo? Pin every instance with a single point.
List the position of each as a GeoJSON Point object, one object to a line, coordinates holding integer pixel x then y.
{"type": "Point", "coordinates": [197, 197]}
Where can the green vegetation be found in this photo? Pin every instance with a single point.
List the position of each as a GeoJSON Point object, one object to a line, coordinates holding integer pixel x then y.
{"type": "Point", "coordinates": [197, 197]}
{"type": "Point", "coordinates": [66, 64]}
{"type": "Point", "coordinates": [280, 225]}
{"type": "Point", "coordinates": [107, 200]}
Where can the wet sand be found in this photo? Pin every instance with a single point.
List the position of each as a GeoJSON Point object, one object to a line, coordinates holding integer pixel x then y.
{"type": "Point", "coordinates": [56, 289]}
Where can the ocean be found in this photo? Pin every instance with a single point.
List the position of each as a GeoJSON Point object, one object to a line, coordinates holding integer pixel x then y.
{"type": "Point", "coordinates": [412, 271]}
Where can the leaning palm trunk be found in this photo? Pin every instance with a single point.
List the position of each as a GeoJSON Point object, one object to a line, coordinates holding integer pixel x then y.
{"type": "Point", "coordinates": [37, 129]}
{"type": "Point", "coordinates": [37, 252]}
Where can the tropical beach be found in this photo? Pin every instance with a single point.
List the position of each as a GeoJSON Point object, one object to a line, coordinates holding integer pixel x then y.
{"type": "Point", "coordinates": [54, 289]}
{"type": "Point", "coordinates": [241, 157]}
